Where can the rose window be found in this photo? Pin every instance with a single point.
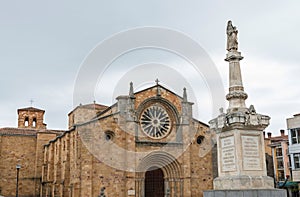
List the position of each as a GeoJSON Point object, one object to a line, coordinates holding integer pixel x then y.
{"type": "Point", "coordinates": [155, 122]}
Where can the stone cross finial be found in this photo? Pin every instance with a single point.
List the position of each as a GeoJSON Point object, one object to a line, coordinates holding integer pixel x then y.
{"type": "Point", "coordinates": [157, 81]}
{"type": "Point", "coordinates": [232, 43]}
{"type": "Point", "coordinates": [31, 102]}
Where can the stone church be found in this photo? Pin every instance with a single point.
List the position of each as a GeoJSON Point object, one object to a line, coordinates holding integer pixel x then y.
{"type": "Point", "coordinates": [147, 144]}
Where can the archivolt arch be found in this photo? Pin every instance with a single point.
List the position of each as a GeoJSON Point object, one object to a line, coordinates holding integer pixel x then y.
{"type": "Point", "coordinates": [172, 170]}
{"type": "Point", "coordinates": [165, 161]}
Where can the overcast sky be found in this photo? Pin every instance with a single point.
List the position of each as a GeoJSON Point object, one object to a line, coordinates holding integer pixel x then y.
{"type": "Point", "coordinates": [44, 43]}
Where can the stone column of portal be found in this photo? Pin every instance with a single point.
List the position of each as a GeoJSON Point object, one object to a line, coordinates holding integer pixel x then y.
{"type": "Point", "coordinates": [240, 140]}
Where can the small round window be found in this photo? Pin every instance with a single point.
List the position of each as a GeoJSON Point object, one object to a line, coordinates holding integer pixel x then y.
{"type": "Point", "coordinates": [200, 139]}
{"type": "Point", "coordinates": [109, 135]}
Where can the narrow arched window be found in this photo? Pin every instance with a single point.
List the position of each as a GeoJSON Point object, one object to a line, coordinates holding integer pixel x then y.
{"type": "Point", "coordinates": [26, 123]}
{"type": "Point", "coordinates": [34, 122]}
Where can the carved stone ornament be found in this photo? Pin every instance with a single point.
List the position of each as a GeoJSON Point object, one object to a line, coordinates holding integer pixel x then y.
{"type": "Point", "coordinates": [236, 94]}
{"type": "Point", "coordinates": [232, 43]}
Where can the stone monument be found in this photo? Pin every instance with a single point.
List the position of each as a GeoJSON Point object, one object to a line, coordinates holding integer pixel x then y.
{"type": "Point", "coordinates": [240, 141]}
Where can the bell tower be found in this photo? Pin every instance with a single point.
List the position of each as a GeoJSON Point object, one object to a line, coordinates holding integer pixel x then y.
{"type": "Point", "coordinates": [31, 118]}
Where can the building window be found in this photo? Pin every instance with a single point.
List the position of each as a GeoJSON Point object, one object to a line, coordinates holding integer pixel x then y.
{"type": "Point", "coordinates": [200, 139]}
{"type": "Point", "coordinates": [281, 175]}
{"type": "Point", "coordinates": [279, 157]}
{"type": "Point", "coordinates": [278, 151]}
{"type": "Point", "coordinates": [297, 160]}
{"type": "Point", "coordinates": [295, 136]}
{"type": "Point", "coordinates": [109, 135]}
{"type": "Point", "coordinates": [34, 122]}
{"type": "Point", "coordinates": [26, 123]}
{"type": "Point", "coordinates": [280, 163]}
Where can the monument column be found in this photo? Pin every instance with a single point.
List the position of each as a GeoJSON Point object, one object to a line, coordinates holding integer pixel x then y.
{"type": "Point", "coordinates": [236, 95]}
{"type": "Point", "coordinates": [240, 140]}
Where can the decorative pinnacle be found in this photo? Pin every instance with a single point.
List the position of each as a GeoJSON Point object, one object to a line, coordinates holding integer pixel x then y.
{"type": "Point", "coordinates": [184, 95]}
{"type": "Point", "coordinates": [131, 93]}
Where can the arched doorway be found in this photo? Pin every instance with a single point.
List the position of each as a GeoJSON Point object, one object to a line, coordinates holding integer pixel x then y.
{"type": "Point", "coordinates": [167, 170]}
{"type": "Point", "coordinates": [154, 183]}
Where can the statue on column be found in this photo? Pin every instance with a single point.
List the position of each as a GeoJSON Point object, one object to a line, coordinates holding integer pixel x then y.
{"type": "Point", "coordinates": [232, 43]}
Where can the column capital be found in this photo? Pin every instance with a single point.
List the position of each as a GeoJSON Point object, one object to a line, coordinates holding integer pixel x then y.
{"type": "Point", "coordinates": [233, 55]}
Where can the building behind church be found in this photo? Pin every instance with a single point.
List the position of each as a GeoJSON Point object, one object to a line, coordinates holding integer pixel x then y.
{"type": "Point", "coordinates": [24, 146]}
{"type": "Point", "coordinates": [293, 125]}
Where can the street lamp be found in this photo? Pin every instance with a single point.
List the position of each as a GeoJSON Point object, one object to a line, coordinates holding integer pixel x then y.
{"type": "Point", "coordinates": [18, 166]}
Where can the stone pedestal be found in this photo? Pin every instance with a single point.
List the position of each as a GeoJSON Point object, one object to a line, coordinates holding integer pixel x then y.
{"type": "Point", "coordinates": [243, 182]}
{"type": "Point", "coordinates": [246, 193]}
{"type": "Point", "coordinates": [241, 161]}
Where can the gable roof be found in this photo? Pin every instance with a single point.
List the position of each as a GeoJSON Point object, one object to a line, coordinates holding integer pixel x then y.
{"type": "Point", "coordinates": [135, 93]}
{"type": "Point", "coordinates": [31, 109]}
{"type": "Point", "coordinates": [155, 86]}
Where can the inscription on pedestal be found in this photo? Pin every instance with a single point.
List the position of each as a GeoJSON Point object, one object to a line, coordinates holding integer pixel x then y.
{"type": "Point", "coordinates": [228, 154]}
{"type": "Point", "coordinates": [251, 159]}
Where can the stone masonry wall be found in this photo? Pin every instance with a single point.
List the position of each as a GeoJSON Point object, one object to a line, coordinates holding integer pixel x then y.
{"type": "Point", "coordinates": [17, 150]}
{"type": "Point", "coordinates": [201, 162]}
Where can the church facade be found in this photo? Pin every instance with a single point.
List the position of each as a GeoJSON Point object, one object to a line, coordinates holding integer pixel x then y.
{"type": "Point", "coordinates": [146, 144]}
